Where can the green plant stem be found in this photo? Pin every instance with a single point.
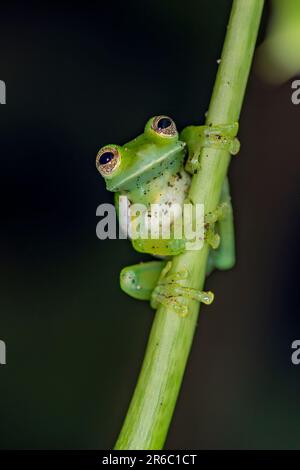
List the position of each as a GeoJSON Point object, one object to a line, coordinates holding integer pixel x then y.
{"type": "Point", "coordinates": [152, 405]}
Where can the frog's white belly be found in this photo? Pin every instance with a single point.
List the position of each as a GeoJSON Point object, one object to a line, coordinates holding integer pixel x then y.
{"type": "Point", "coordinates": [170, 203]}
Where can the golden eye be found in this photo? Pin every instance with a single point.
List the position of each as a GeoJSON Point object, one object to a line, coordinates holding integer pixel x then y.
{"type": "Point", "coordinates": [164, 125]}
{"type": "Point", "coordinates": [107, 160]}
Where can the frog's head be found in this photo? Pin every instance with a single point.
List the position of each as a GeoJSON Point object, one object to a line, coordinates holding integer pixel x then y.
{"type": "Point", "coordinates": [158, 151]}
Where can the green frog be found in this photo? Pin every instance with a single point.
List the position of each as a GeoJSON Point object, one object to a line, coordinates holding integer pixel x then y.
{"type": "Point", "coordinates": [156, 168]}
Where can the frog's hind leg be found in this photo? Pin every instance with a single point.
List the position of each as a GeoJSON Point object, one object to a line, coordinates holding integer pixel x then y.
{"type": "Point", "coordinates": [159, 246]}
{"type": "Point", "coordinates": [210, 265]}
{"type": "Point", "coordinates": [151, 281]}
{"type": "Point", "coordinates": [139, 280]}
{"type": "Point", "coordinates": [170, 293]}
{"type": "Point", "coordinates": [224, 255]}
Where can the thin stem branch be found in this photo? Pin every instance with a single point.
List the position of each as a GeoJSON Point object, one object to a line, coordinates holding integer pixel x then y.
{"type": "Point", "coordinates": [151, 408]}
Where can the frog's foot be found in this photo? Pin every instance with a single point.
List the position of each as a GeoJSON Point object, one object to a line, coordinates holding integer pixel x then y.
{"type": "Point", "coordinates": [212, 238]}
{"type": "Point", "coordinates": [222, 137]}
{"type": "Point", "coordinates": [221, 211]}
{"type": "Point", "coordinates": [170, 293]}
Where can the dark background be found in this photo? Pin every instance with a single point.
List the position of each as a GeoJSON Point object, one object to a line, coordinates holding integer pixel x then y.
{"type": "Point", "coordinates": [81, 77]}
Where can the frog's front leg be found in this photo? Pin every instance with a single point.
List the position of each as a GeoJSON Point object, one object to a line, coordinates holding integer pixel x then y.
{"type": "Point", "coordinates": [221, 137]}
{"type": "Point", "coordinates": [170, 293]}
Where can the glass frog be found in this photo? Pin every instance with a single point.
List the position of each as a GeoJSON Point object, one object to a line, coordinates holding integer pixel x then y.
{"type": "Point", "coordinates": [156, 168]}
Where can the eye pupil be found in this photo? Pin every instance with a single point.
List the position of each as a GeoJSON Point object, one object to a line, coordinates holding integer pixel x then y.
{"type": "Point", "coordinates": [164, 123]}
{"type": "Point", "coordinates": [105, 158]}
{"type": "Point", "coordinates": [164, 126]}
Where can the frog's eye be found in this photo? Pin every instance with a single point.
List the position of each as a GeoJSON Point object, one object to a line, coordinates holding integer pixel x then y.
{"type": "Point", "coordinates": [164, 126]}
{"type": "Point", "coordinates": [107, 160]}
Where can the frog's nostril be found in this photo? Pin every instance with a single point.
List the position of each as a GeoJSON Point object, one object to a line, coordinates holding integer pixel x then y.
{"type": "Point", "coordinates": [106, 157]}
